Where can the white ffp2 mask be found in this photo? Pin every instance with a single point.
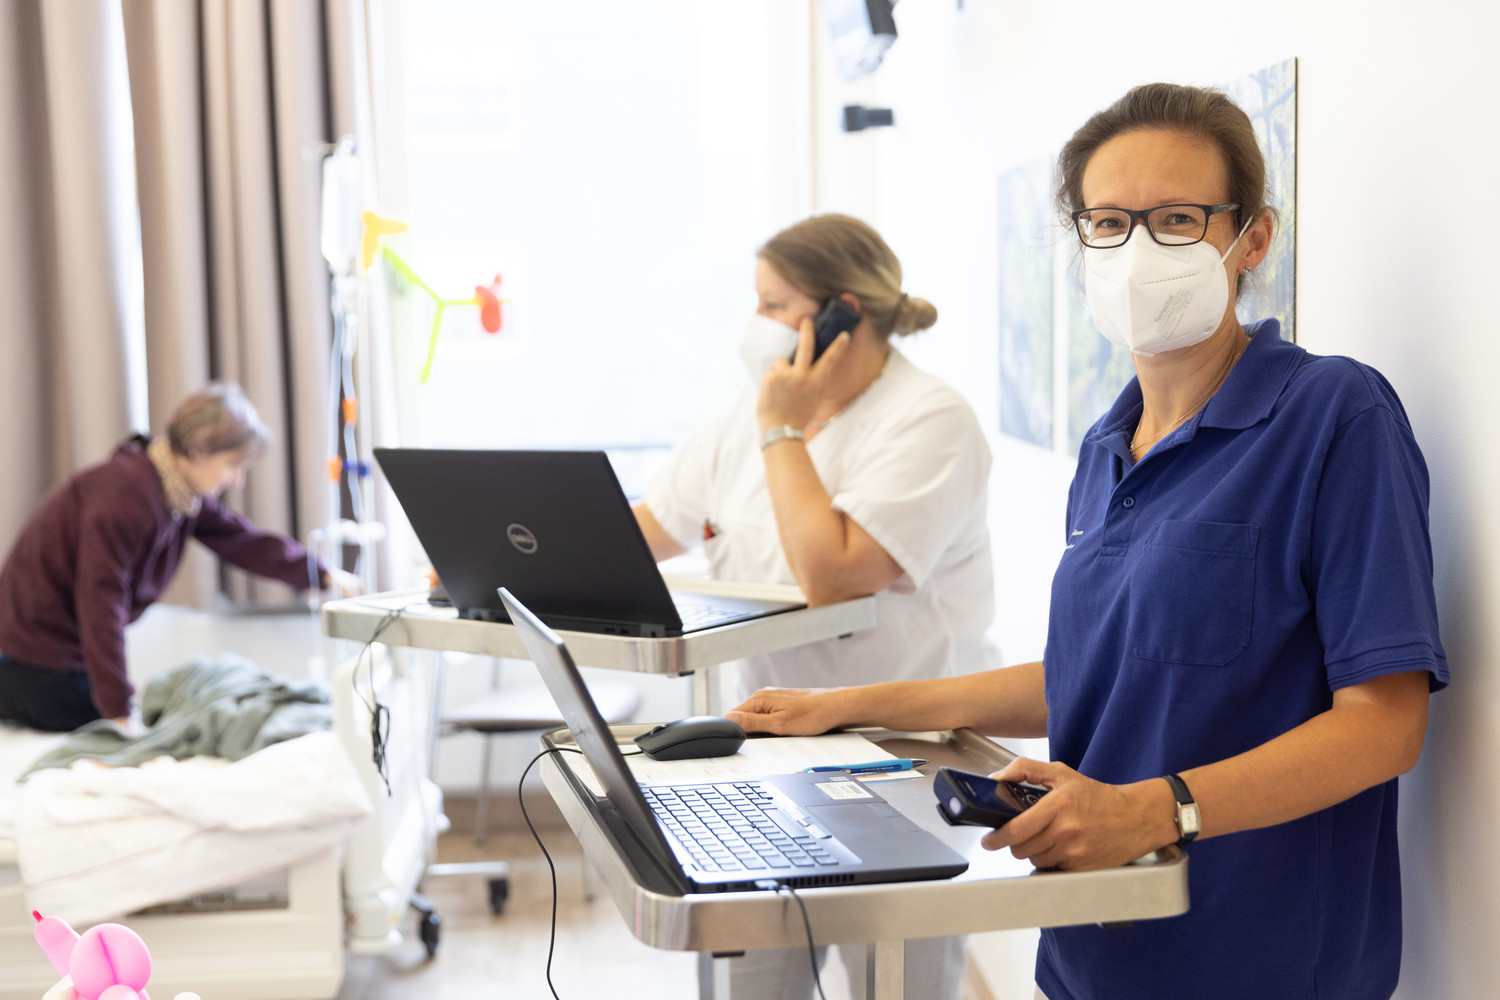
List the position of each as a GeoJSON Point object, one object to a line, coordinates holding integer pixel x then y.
{"type": "Point", "coordinates": [1150, 298]}
{"type": "Point", "coordinates": [763, 341]}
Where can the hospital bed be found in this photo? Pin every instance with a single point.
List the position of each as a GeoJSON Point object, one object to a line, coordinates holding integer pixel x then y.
{"type": "Point", "coordinates": [281, 934]}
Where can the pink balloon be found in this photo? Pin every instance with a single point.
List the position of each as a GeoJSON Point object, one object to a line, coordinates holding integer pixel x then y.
{"type": "Point", "coordinates": [119, 992]}
{"type": "Point", "coordinates": [106, 956]}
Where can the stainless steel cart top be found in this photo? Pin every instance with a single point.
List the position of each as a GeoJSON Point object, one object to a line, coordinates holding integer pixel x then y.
{"type": "Point", "coordinates": [424, 626]}
{"type": "Point", "coordinates": [996, 893]}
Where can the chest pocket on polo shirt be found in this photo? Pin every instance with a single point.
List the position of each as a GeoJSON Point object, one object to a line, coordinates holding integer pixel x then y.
{"type": "Point", "coordinates": [1193, 592]}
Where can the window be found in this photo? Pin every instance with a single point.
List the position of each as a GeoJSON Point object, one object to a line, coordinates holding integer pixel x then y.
{"type": "Point", "coordinates": [617, 165]}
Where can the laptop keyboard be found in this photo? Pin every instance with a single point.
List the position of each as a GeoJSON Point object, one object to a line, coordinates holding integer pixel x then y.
{"type": "Point", "coordinates": [739, 827]}
{"type": "Point", "coordinates": [696, 616]}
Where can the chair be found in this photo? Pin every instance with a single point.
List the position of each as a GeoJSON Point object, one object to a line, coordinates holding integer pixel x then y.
{"type": "Point", "coordinates": [527, 708]}
{"type": "Point", "coordinates": [519, 708]}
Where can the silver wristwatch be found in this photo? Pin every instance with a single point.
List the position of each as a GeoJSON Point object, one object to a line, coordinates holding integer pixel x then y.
{"type": "Point", "coordinates": [1188, 818]}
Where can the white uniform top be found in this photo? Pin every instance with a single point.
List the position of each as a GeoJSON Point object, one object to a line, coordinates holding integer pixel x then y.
{"type": "Point", "coordinates": [908, 462]}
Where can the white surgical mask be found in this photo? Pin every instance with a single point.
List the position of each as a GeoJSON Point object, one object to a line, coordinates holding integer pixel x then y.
{"type": "Point", "coordinates": [1150, 298]}
{"type": "Point", "coordinates": [763, 341]}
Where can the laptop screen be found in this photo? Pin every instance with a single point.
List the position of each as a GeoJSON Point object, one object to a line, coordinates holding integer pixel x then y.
{"type": "Point", "coordinates": [566, 685]}
{"type": "Point", "coordinates": [553, 525]}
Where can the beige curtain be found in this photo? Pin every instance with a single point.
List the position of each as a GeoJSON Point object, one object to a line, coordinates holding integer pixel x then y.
{"type": "Point", "coordinates": [64, 276]}
{"type": "Point", "coordinates": [230, 99]}
{"type": "Point", "coordinates": [232, 104]}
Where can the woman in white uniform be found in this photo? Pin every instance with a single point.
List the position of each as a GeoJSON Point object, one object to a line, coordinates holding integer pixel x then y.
{"type": "Point", "coordinates": [849, 473]}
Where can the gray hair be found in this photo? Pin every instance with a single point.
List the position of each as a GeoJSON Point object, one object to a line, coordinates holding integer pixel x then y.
{"type": "Point", "coordinates": [215, 419]}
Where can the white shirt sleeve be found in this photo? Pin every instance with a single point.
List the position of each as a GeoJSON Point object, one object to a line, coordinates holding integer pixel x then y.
{"type": "Point", "coordinates": [679, 495]}
{"type": "Point", "coordinates": [919, 484]}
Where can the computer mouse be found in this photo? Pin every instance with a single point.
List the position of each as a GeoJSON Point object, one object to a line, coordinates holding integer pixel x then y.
{"type": "Point", "coordinates": [695, 736]}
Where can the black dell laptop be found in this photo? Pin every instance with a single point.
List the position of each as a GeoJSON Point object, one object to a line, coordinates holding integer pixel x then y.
{"type": "Point", "coordinates": [797, 830]}
{"type": "Point", "coordinates": [554, 525]}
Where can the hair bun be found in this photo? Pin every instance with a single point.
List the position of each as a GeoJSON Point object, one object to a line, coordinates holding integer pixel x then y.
{"type": "Point", "coordinates": [913, 314]}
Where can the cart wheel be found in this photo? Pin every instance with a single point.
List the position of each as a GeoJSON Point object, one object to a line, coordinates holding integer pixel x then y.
{"type": "Point", "coordinates": [499, 892]}
{"type": "Point", "coordinates": [429, 930]}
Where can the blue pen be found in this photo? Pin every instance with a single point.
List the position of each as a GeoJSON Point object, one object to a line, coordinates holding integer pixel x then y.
{"type": "Point", "coordinates": [869, 766]}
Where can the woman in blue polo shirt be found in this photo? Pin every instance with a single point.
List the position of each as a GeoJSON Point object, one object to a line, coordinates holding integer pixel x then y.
{"type": "Point", "coordinates": [1243, 633]}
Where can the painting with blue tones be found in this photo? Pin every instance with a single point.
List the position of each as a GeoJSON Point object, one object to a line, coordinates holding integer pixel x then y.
{"type": "Point", "coordinates": [1027, 233]}
{"type": "Point", "coordinates": [1270, 99]}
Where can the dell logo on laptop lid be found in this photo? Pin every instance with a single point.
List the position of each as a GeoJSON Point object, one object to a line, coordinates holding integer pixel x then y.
{"type": "Point", "coordinates": [521, 537]}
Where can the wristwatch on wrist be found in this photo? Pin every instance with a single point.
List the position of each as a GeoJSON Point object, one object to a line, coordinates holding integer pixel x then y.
{"type": "Point", "coordinates": [1188, 818]}
{"type": "Point", "coordinates": [783, 433]}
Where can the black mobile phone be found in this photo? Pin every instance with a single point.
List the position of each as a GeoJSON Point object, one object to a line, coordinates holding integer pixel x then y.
{"type": "Point", "coordinates": [964, 797]}
{"type": "Point", "coordinates": [834, 318]}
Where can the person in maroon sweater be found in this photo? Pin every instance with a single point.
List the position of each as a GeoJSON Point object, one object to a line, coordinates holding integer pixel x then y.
{"type": "Point", "coordinates": [105, 544]}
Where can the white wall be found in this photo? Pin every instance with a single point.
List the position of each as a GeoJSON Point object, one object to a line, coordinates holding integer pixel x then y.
{"type": "Point", "coordinates": [1397, 111]}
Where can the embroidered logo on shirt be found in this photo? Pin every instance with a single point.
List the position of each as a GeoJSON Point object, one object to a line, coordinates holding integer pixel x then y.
{"type": "Point", "coordinates": [1072, 536]}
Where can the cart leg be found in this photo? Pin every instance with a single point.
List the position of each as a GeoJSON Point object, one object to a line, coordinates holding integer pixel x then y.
{"type": "Point", "coordinates": [705, 694]}
{"type": "Point", "coordinates": [884, 973]}
{"type": "Point", "coordinates": [713, 976]}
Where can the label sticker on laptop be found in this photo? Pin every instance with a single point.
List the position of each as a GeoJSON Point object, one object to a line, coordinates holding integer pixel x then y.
{"type": "Point", "coordinates": [841, 790]}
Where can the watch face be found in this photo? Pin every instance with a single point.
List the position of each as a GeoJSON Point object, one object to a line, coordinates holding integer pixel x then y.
{"type": "Point", "coordinates": [1188, 819]}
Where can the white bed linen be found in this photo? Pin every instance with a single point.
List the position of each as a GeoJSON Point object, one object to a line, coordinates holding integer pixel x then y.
{"type": "Point", "coordinates": [18, 748]}
{"type": "Point", "coordinates": [95, 842]}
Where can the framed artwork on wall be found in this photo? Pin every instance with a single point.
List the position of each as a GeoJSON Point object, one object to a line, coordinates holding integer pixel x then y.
{"type": "Point", "coordinates": [1269, 97]}
{"type": "Point", "coordinates": [1027, 236]}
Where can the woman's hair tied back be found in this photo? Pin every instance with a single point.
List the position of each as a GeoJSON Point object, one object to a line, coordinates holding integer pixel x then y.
{"type": "Point", "coordinates": [829, 255]}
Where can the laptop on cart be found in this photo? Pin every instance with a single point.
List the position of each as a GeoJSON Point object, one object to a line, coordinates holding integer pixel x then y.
{"type": "Point", "coordinates": [797, 830]}
{"type": "Point", "coordinates": [556, 526]}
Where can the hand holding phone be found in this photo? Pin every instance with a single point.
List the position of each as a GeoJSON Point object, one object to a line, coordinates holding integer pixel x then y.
{"type": "Point", "coordinates": [973, 799]}
{"type": "Point", "coordinates": [836, 317]}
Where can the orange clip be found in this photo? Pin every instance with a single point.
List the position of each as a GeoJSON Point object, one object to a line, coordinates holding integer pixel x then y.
{"type": "Point", "coordinates": [335, 469]}
{"type": "Point", "coordinates": [351, 411]}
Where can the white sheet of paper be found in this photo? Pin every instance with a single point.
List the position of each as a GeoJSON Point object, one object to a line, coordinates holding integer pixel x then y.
{"type": "Point", "coordinates": [758, 756]}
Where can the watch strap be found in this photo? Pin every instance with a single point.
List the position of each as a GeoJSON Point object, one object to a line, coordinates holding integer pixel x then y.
{"type": "Point", "coordinates": [1187, 808]}
{"type": "Point", "coordinates": [786, 432]}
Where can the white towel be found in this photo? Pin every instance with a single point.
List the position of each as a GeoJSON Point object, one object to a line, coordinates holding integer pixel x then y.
{"type": "Point", "coordinates": [94, 843]}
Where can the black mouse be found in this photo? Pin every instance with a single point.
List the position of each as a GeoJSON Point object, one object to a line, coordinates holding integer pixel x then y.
{"type": "Point", "coordinates": [695, 736]}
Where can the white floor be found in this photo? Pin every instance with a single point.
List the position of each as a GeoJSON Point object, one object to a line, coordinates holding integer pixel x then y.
{"type": "Point", "coordinates": [482, 955]}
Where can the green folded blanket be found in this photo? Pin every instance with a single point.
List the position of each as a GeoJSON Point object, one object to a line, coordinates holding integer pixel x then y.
{"type": "Point", "coordinates": [223, 706]}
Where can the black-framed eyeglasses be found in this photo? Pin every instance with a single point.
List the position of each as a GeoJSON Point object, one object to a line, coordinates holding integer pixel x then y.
{"type": "Point", "coordinates": [1169, 225]}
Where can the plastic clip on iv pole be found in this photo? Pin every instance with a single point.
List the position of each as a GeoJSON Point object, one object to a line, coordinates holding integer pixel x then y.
{"type": "Point", "coordinates": [869, 767]}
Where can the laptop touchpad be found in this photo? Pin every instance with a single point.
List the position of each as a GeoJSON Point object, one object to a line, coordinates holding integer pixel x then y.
{"type": "Point", "coordinates": [843, 815]}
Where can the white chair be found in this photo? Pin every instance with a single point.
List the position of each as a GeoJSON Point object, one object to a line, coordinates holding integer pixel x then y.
{"type": "Point", "coordinates": [526, 708]}
{"type": "Point", "coordinates": [518, 708]}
